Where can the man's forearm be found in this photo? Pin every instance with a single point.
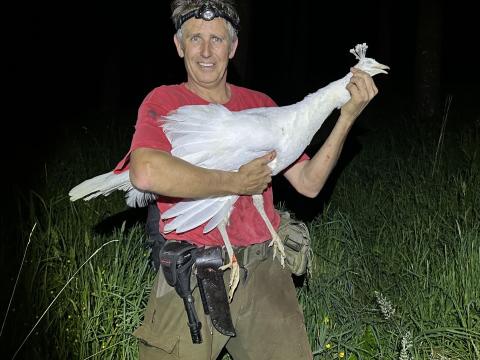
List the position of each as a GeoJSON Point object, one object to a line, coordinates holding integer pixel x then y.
{"type": "Point", "coordinates": [161, 173]}
{"type": "Point", "coordinates": [319, 168]}
{"type": "Point", "coordinates": [313, 174]}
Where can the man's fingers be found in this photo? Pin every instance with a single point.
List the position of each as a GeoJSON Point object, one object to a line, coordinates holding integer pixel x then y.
{"type": "Point", "coordinates": [257, 174]}
{"type": "Point", "coordinates": [368, 84]}
{"type": "Point", "coordinates": [269, 157]}
{"type": "Point", "coordinates": [362, 86]}
{"type": "Point", "coordinates": [265, 159]}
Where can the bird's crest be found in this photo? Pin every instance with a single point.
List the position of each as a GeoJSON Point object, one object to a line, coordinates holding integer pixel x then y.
{"type": "Point", "coordinates": [370, 66]}
{"type": "Point", "coordinates": [359, 51]}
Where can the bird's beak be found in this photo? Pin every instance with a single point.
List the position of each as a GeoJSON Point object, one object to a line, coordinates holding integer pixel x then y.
{"type": "Point", "coordinates": [382, 69]}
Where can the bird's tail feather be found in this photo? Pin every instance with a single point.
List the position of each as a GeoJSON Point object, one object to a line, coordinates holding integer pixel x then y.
{"type": "Point", "coordinates": [137, 198]}
{"type": "Point", "coordinates": [103, 184]}
{"type": "Point", "coordinates": [107, 183]}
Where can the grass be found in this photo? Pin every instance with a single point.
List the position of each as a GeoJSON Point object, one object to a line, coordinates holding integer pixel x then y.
{"type": "Point", "coordinates": [396, 228]}
{"type": "Point", "coordinates": [397, 256]}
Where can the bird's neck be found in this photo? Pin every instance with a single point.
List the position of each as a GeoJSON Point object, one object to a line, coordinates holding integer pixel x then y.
{"type": "Point", "coordinates": [315, 108]}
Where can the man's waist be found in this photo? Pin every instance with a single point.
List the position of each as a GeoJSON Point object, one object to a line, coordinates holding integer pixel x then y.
{"type": "Point", "coordinates": [245, 255]}
{"type": "Point", "coordinates": [214, 238]}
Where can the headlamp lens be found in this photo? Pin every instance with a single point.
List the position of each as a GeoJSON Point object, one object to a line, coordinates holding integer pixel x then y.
{"type": "Point", "coordinates": [207, 12]}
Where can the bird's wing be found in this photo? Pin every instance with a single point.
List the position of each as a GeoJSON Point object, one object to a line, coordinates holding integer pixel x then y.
{"type": "Point", "coordinates": [213, 137]}
{"type": "Point", "coordinates": [190, 214]}
{"type": "Point", "coordinates": [107, 183]}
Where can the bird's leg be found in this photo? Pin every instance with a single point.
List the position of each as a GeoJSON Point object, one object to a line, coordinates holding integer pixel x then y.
{"type": "Point", "coordinates": [276, 241]}
{"type": "Point", "coordinates": [233, 264]}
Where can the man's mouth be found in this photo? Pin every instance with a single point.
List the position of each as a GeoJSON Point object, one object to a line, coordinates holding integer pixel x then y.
{"type": "Point", "coordinates": [205, 65]}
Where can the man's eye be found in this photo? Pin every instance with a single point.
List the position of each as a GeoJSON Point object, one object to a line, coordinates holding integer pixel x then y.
{"type": "Point", "coordinates": [195, 38]}
{"type": "Point", "coordinates": [216, 39]}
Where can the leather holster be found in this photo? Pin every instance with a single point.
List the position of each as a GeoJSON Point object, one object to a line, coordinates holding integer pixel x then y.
{"type": "Point", "coordinates": [212, 289]}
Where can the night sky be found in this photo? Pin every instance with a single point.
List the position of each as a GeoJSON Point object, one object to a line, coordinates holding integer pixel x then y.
{"type": "Point", "coordinates": [66, 66]}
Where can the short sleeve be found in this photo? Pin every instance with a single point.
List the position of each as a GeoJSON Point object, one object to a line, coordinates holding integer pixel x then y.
{"type": "Point", "coordinates": [148, 132]}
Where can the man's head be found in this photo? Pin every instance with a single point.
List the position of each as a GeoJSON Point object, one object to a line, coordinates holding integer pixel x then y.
{"type": "Point", "coordinates": [206, 38]}
{"type": "Point", "coordinates": [183, 10]}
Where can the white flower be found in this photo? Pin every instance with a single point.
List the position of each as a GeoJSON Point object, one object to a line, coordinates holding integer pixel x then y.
{"type": "Point", "coordinates": [386, 306]}
{"type": "Point", "coordinates": [406, 345]}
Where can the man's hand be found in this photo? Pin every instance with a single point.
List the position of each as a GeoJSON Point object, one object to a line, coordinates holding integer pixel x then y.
{"type": "Point", "coordinates": [362, 89]}
{"type": "Point", "coordinates": [255, 176]}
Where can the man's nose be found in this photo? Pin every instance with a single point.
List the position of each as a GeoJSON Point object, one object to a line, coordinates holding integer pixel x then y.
{"type": "Point", "coordinates": [206, 49]}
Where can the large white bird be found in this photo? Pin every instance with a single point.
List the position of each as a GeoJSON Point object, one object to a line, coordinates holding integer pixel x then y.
{"type": "Point", "coordinates": [211, 136]}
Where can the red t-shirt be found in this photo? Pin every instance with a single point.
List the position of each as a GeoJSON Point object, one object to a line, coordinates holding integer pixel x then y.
{"type": "Point", "coordinates": [245, 224]}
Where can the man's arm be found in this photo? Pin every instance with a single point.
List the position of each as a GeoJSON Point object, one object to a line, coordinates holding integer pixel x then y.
{"type": "Point", "coordinates": [161, 173]}
{"type": "Point", "coordinates": [308, 177]}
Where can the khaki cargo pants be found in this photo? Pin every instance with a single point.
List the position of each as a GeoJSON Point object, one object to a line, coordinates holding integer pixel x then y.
{"type": "Point", "coordinates": [265, 312]}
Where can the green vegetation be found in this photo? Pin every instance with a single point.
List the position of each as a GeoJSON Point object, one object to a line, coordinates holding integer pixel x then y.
{"type": "Point", "coordinates": [397, 255]}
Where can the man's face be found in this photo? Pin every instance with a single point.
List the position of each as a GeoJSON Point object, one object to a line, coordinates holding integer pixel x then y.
{"type": "Point", "coordinates": [206, 49]}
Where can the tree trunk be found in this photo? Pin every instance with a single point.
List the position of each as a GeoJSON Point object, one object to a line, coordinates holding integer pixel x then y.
{"type": "Point", "coordinates": [242, 69]}
{"type": "Point", "coordinates": [428, 59]}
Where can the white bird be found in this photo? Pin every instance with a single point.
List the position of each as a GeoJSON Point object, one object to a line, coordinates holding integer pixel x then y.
{"type": "Point", "coordinates": [213, 137]}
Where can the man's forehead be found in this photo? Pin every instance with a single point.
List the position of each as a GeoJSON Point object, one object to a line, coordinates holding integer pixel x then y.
{"type": "Point", "coordinates": [216, 26]}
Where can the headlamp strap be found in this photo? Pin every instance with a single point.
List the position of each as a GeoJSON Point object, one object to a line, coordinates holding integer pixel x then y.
{"type": "Point", "coordinates": [207, 12]}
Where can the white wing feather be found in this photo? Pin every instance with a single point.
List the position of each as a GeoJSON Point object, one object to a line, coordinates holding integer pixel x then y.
{"type": "Point", "coordinates": [211, 136]}
{"type": "Point", "coordinates": [199, 212]}
{"type": "Point", "coordinates": [221, 140]}
{"type": "Point", "coordinates": [222, 214]}
{"type": "Point", "coordinates": [103, 184]}
{"type": "Point", "coordinates": [107, 183]}
{"type": "Point", "coordinates": [180, 208]}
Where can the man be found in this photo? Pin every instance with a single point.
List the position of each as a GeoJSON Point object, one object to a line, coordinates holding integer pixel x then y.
{"type": "Point", "coordinates": [268, 321]}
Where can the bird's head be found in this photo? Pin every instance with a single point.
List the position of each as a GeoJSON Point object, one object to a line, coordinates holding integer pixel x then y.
{"type": "Point", "coordinates": [369, 65]}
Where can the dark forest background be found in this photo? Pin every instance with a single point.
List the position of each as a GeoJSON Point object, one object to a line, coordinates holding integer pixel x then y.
{"type": "Point", "coordinates": [69, 68]}
{"type": "Point", "coordinates": [68, 65]}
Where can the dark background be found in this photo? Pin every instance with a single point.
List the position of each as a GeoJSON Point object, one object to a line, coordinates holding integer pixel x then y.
{"type": "Point", "coordinates": [75, 66]}
{"type": "Point", "coordinates": [69, 65]}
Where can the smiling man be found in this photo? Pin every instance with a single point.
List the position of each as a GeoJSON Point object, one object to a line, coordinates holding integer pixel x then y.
{"type": "Point", "coordinates": [265, 320]}
{"type": "Point", "coordinates": [206, 47]}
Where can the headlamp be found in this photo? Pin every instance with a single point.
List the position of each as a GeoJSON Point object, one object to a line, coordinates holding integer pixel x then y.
{"type": "Point", "coordinates": [208, 12]}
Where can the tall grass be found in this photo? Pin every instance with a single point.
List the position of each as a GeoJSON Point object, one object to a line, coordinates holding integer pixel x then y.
{"type": "Point", "coordinates": [395, 228]}
{"type": "Point", "coordinates": [397, 255]}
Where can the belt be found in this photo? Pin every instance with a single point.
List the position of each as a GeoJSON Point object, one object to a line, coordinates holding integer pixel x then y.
{"type": "Point", "coordinates": [250, 254]}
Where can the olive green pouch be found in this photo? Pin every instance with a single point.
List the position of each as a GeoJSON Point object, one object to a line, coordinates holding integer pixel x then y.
{"type": "Point", "coordinates": [296, 240]}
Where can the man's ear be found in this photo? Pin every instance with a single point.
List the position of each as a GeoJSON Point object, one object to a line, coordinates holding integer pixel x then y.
{"type": "Point", "coordinates": [178, 45]}
{"type": "Point", "coordinates": [233, 49]}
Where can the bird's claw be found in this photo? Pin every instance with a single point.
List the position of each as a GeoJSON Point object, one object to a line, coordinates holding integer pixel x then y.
{"type": "Point", "coordinates": [234, 276]}
{"type": "Point", "coordinates": [278, 245]}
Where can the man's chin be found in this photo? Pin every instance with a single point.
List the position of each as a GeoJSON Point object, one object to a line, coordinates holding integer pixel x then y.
{"type": "Point", "coordinates": [208, 81]}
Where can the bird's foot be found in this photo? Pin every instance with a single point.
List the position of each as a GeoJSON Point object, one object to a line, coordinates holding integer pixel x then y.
{"type": "Point", "coordinates": [278, 246]}
{"type": "Point", "coordinates": [234, 275]}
